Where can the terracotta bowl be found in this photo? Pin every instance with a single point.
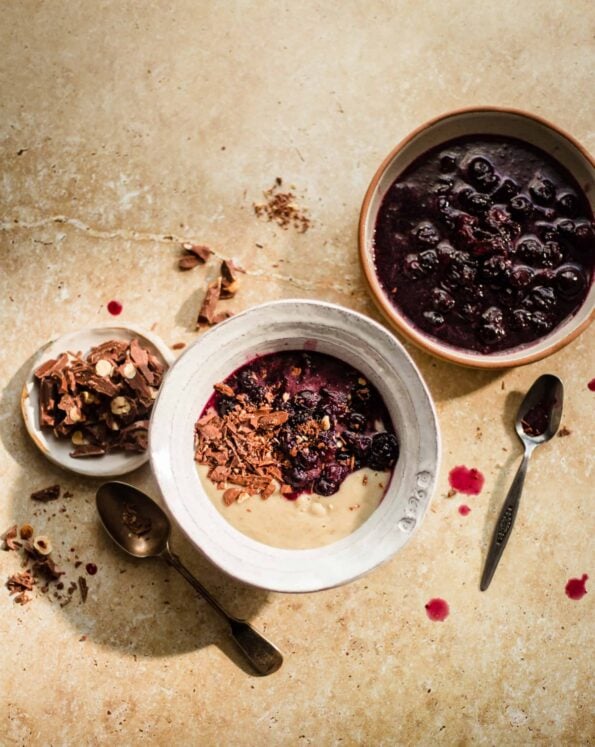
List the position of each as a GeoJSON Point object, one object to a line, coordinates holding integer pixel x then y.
{"type": "Point", "coordinates": [493, 121]}
{"type": "Point", "coordinates": [296, 325]}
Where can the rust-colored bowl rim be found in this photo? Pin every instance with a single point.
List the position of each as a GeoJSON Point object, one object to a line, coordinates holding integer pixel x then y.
{"type": "Point", "coordinates": [399, 321]}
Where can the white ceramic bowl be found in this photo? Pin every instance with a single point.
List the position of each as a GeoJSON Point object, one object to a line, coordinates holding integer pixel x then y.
{"type": "Point", "coordinates": [294, 325]}
{"type": "Point", "coordinates": [58, 450]}
{"type": "Point", "coordinates": [482, 121]}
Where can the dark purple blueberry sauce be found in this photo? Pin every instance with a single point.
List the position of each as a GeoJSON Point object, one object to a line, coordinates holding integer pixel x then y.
{"type": "Point", "coordinates": [338, 422]}
{"type": "Point", "coordinates": [485, 243]}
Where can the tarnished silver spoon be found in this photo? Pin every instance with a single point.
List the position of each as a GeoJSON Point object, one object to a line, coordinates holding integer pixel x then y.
{"type": "Point", "coordinates": [536, 422]}
{"type": "Point", "coordinates": [141, 528]}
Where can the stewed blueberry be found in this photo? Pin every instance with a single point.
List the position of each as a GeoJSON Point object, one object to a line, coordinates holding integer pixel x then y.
{"type": "Point", "coordinates": [307, 399]}
{"type": "Point", "coordinates": [542, 190]}
{"type": "Point", "coordinates": [428, 260]}
{"type": "Point", "coordinates": [541, 298]}
{"type": "Point", "coordinates": [225, 405]}
{"type": "Point", "coordinates": [356, 421]}
{"type": "Point", "coordinates": [476, 202]}
{"type": "Point", "coordinates": [426, 234]}
{"type": "Point", "coordinates": [529, 249]}
{"type": "Point", "coordinates": [384, 451]}
{"type": "Point", "coordinates": [521, 276]}
{"type": "Point", "coordinates": [412, 267]}
{"type": "Point", "coordinates": [570, 281]}
{"type": "Point", "coordinates": [448, 162]}
{"type": "Point", "coordinates": [521, 206]}
{"type": "Point", "coordinates": [433, 318]}
{"type": "Point", "coordinates": [506, 190]}
{"type": "Point", "coordinates": [442, 300]}
{"type": "Point", "coordinates": [496, 268]}
{"type": "Point", "coordinates": [568, 204]}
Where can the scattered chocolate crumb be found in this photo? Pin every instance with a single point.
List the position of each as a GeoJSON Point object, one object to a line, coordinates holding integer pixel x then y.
{"type": "Point", "coordinates": [451, 493]}
{"type": "Point", "coordinates": [83, 588]}
{"type": "Point", "coordinates": [78, 563]}
{"type": "Point", "coordinates": [281, 208]}
{"type": "Point", "coordinates": [178, 345]}
{"type": "Point", "coordinates": [564, 431]}
{"type": "Point", "coordinates": [46, 494]}
{"type": "Point", "coordinates": [26, 531]}
{"type": "Point", "coordinates": [502, 386]}
{"type": "Point", "coordinates": [82, 638]}
{"type": "Point", "coordinates": [134, 522]}
{"type": "Point", "coordinates": [91, 569]}
{"type": "Point", "coordinates": [365, 480]}
{"type": "Point", "coordinates": [67, 494]}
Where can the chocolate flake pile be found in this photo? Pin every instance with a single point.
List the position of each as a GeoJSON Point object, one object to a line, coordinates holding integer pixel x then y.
{"type": "Point", "coordinates": [101, 403]}
{"type": "Point", "coordinates": [272, 422]}
{"type": "Point", "coordinates": [281, 208]}
{"type": "Point", "coordinates": [194, 254]}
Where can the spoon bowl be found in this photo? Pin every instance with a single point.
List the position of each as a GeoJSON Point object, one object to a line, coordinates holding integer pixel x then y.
{"type": "Point", "coordinates": [540, 412]}
{"type": "Point", "coordinates": [135, 522]}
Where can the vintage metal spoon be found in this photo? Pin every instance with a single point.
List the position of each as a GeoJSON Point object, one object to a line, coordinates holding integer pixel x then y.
{"type": "Point", "coordinates": [536, 422]}
{"type": "Point", "coordinates": [140, 527]}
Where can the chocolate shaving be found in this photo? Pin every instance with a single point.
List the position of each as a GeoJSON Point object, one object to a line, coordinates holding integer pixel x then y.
{"type": "Point", "coordinates": [135, 523]}
{"type": "Point", "coordinates": [207, 310]}
{"type": "Point", "coordinates": [87, 450]}
{"type": "Point", "coordinates": [222, 316]}
{"type": "Point", "coordinates": [46, 494]}
{"type": "Point", "coordinates": [195, 254]}
{"type": "Point", "coordinates": [83, 588]}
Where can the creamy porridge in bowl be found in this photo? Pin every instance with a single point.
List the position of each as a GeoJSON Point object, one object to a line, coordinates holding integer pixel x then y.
{"type": "Point", "coordinates": [296, 445]}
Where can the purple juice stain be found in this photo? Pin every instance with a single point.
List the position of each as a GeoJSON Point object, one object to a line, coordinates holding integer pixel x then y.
{"type": "Point", "coordinates": [485, 243]}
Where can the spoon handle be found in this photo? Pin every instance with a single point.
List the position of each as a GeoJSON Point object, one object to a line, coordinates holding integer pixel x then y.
{"type": "Point", "coordinates": [503, 528]}
{"type": "Point", "coordinates": [264, 657]}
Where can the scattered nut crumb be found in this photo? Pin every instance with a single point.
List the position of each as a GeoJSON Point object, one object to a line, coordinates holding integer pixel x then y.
{"type": "Point", "coordinates": [280, 207]}
{"type": "Point", "coordinates": [178, 345]}
{"type": "Point", "coordinates": [564, 431]}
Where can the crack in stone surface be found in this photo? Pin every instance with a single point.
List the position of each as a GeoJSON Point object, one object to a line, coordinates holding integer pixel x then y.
{"type": "Point", "coordinates": [173, 239]}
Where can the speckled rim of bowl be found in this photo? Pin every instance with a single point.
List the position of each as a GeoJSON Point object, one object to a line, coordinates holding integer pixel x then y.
{"type": "Point", "coordinates": [290, 325]}
{"type": "Point", "coordinates": [571, 149]}
{"type": "Point", "coordinates": [57, 451]}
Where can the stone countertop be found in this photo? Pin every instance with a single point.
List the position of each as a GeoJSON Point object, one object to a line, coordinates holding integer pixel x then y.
{"type": "Point", "coordinates": [130, 127]}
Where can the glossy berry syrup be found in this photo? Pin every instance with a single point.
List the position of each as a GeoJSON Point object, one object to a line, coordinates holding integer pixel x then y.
{"type": "Point", "coordinates": [485, 243]}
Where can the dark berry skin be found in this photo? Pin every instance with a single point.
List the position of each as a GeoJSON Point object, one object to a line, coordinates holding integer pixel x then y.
{"type": "Point", "coordinates": [570, 281]}
{"type": "Point", "coordinates": [384, 451]}
{"type": "Point", "coordinates": [433, 318]}
{"type": "Point", "coordinates": [542, 190]}
{"type": "Point", "coordinates": [521, 206]}
{"type": "Point", "coordinates": [356, 421]}
{"type": "Point", "coordinates": [307, 399]}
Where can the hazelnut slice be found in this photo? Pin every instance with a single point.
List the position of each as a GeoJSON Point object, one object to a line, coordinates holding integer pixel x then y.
{"type": "Point", "coordinates": [75, 414]}
{"type": "Point", "coordinates": [89, 398]}
{"type": "Point", "coordinates": [325, 423]}
{"type": "Point", "coordinates": [129, 371]}
{"type": "Point", "coordinates": [103, 367]}
{"type": "Point", "coordinates": [42, 545]}
{"type": "Point", "coordinates": [78, 438]}
{"type": "Point", "coordinates": [120, 406]}
{"type": "Point", "coordinates": [26, 531]}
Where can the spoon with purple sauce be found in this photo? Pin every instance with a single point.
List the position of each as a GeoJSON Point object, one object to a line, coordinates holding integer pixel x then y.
{"type": "Point", "coordinates": [536, 422]}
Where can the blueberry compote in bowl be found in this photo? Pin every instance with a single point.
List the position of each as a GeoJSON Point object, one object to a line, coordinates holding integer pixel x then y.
{"type": "Point", "coordinates": [477, 237]}
{"type": "Point", "coordinates": [296, 445]}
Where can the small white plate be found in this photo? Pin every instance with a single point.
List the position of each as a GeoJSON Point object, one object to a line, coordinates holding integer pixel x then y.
{"type": "Point", "coordinates": [58, 451]}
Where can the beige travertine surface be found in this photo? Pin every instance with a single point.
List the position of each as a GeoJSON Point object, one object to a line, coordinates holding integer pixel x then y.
{"type": "Point", "coordinates": [130, 126]}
